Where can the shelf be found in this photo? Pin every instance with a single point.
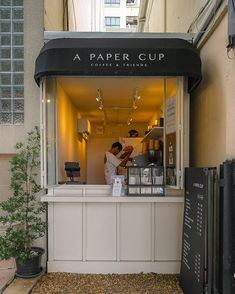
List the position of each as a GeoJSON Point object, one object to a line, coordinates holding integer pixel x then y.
{"type": "Point", "coordinates": [155, 133]}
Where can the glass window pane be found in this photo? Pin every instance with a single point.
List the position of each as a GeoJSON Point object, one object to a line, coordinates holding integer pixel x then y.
{"type": "Point", "coordinates": [17, 2]}
{"type": "Point", "coordinates": [18, 27]}
{"type": "Point", "coordinates": [5, 13]}
{"type": "Point", "coordinates": [131, 2]}
{"type": "Point", "coordinates": [18, 105]}
{"type": "Point", "coordinates": [18, 40]}
{"type": "Point", "coordinates": [5, 65]}
{"type": "Point", "coordinates": [18, 118]}
{"type": "Point", "coordinates": [5, 40]}
{"type": "Point", "coordinates": [18, 13]}
{"type": "Point", "coordinates": [5, 27]}
{"type": "Point", "coordinates": [18, 79]}
{"type": "Point", "coordinates": [5, 53]}
{"type": "Point", "coordinates": [18, 66]}
{"type": "Point", "coordinates": [5, 118]}
{"type": "Point", "coordinates": [18, 92]}
{"type": "Point", "coordinates": [5, 2]}
{"type": "Point", "coordinates": [5, 79]}
{"type": "Point", "coordinates": [5, 92]}
{"type": "Point", "coordinates": [18, 53]}
{"type": "Point", "coordinates": [5, 105]}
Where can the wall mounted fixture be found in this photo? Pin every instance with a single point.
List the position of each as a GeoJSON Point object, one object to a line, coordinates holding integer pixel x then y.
{"type": "Point", "coordinates": [99, 99]}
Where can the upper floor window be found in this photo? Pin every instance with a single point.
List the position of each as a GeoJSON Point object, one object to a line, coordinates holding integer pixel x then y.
{"type": "Point", "coordinates": [112, 21]}
{"type": "Point", "coordinates": [131, 21]}
{"type": "Point", "coordinates": [11, 62]}
{"type": "Point", "coordinates": [131, 2]}
{"type": "Point", "coordinates": [112, 2]}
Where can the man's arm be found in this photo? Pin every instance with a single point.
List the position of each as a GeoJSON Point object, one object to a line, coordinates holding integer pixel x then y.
{"type": "Point", "coordinates": [125, 159]}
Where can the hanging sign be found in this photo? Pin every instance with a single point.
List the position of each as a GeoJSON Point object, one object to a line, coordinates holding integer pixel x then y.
{"type": "Point", "coordinates": [170, 115]}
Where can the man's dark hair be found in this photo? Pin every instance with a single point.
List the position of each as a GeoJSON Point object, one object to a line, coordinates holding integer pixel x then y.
{"type": "Point", "coordinates": [117, 144]}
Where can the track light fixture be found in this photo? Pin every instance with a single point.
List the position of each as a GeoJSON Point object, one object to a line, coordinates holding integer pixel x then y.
{"type": "Point", "coordinates": [100, 100]}
{"type": "Point", "coordinates": [136, 97]}
{"type": "Point", "coordinates": [136, 94]}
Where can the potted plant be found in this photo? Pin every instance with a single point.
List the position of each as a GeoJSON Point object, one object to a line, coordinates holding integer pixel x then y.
{"type": "Point", "coordinates": [22, 212]}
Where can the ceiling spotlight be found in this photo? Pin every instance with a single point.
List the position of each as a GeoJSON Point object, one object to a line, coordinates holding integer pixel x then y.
{"type": "Point", "coordinates": [98, 98]}
{"type": "Point", "coordinates": [135, 106]}
{"type": "Point", "coordinates": [136, 94]}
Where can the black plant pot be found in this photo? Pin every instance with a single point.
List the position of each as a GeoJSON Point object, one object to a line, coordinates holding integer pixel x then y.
{"type": "Point", "coordinates": [32, 267]}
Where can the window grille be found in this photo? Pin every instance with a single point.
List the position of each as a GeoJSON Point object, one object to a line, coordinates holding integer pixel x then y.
{"type": "Point", "coordinates": [112, 2]}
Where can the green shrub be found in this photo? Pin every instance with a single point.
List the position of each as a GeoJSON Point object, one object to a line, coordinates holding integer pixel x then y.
{"type": "Point", "coordinates": [23, 210]}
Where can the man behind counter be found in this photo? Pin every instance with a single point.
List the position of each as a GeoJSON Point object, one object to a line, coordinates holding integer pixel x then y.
{"type": "Point", "coordinates": [111, 162]}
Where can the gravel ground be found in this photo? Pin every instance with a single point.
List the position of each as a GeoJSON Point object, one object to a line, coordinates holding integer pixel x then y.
{"type": "Point", "coordinates": [66, 283]}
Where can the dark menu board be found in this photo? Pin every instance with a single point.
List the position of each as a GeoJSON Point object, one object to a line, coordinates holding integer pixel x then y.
{"type": "Point", "coordinates": [194, 231]}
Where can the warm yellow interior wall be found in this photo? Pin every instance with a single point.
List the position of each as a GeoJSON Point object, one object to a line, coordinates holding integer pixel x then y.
{"type": "Point", "coordinates": [98, 144]}
{"type": "Point", "coordinates": [71, 146]}
{"type": "Point", "coordinates": [213, 104]}
{"type": "Point", "coordinates": [115, 131]}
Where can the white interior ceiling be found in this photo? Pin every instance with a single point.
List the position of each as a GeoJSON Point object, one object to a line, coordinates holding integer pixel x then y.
{"type": "Point", "coordinates": [117, 94]}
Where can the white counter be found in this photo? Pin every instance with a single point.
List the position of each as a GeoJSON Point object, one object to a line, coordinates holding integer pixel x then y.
{"type": "Point", "coordinates": [90, 231]}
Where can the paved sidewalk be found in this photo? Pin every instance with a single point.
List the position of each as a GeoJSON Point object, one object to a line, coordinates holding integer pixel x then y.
{"type": "Point", "coordinates": [7, 273]}
{"type": "Point", "coordinates": [21, 286]}
{"type": "Point", "coordinates": [11, 285]}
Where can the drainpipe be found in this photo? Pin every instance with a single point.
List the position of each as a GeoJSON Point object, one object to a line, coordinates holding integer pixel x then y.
{"type": "Point", "coordinates": [142, 14]}
{"type": "Point", "coordinates": [207, 20]}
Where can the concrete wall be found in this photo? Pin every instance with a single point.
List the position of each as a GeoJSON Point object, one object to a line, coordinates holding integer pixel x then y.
{"type": "Point", "coordinates": [213, 104]}
{"type": "Point", "coordinates": [71, 146]}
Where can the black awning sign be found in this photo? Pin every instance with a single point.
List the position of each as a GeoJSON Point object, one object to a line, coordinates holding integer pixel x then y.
{"type": "Point", "coordinates": [116, 56]}
{"type": "Point", "coordinates": [119, 57]}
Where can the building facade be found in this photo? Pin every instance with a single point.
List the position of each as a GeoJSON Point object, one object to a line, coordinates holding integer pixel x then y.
{"type": "Point", "coordinates": [103, 15]}
{"type": "Point", "coordinates": [212, 136]}
{"type": "Point", "coordinates": [21, 34]}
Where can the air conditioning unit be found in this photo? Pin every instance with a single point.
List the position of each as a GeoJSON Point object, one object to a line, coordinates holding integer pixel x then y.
{"type": "Point", "coordinates": [84, 127]}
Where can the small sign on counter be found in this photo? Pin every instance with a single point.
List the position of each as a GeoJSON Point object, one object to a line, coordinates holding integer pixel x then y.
{"type": "Point", "coordinates": [118, 182]}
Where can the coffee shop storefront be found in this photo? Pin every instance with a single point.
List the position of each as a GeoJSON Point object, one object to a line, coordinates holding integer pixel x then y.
{"type": "Point", "coordinates": [89, 229]}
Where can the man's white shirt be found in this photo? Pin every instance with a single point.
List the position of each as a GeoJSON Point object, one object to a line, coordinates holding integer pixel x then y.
{"type": "Point", "coordinates": [110, 166]}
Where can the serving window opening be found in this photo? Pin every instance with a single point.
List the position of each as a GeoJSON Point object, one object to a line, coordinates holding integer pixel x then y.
{"type": "Point", "coordinates": [83, 116]}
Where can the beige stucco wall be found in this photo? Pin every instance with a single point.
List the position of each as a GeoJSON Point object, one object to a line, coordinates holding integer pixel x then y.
{"type": "Point", "coordinates": [54, 14]}
{"type": "Point", "coordinates": [213, 104]}
{"type": "Point", "coordinates": [179, 15]}
{"type": "Point", "coordinates": [11, 134]}
{"type": "Point", "coordinates": [33, 40]}
{"type": "Point", "coordinates": [71, 146]}
{"type": "Point", "coordinates": [5, 176]}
